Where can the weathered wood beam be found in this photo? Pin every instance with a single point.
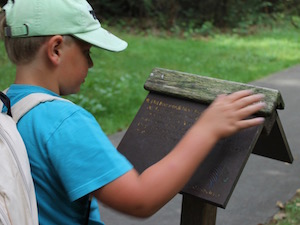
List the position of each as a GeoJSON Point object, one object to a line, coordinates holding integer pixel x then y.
{"type": "Point", "coordinates": [206, 89]}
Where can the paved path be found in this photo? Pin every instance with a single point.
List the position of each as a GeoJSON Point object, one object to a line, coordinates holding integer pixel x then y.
{"type": "Point", "coordinates": [263, 181]}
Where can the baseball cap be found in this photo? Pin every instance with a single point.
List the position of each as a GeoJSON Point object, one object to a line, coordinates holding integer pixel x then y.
{"type": "Point", "coordinates": [27, 18]}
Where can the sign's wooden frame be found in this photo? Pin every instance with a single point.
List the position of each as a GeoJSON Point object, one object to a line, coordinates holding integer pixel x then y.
{"type": "Point", "coordinates": [175, 101]}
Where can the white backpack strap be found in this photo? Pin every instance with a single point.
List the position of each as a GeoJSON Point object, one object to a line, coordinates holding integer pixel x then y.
{"type": "Point", "coordinates": [25, 104]}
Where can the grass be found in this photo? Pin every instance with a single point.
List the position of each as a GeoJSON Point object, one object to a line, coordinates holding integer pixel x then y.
{"type": "Point", "coordinates": [113, 91]}
{"type": "Point", "coordinates": [289, 213]}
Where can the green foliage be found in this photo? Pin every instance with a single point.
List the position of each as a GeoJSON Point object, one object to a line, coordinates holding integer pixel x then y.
{"type": "Point", "coordinates": [189, 16]}
{"type": "Point", "coordinates": [239, 15]}
{"type": "Point", "coordinates": [206, 28]}
{"type": "Point", "coordinates": [247, 13]}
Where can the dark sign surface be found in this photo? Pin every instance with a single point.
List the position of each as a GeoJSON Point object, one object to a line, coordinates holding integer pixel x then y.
{"type": "Point", "coordinates": [160, 124]}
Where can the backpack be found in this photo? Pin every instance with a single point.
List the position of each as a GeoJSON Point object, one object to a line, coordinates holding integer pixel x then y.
{"type": "Point", "coordinates": [17, 196]}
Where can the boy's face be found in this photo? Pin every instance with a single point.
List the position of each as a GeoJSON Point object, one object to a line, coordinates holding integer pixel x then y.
{"type": "Point", "coordinates": [76, 61]}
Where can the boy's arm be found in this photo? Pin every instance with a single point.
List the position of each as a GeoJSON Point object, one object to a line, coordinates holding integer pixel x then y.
{"type": "Point", "coordinates": [143, 194]}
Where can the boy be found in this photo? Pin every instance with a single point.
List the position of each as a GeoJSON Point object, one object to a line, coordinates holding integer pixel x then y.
{"type": "Point", "coordinates": [70, 157]}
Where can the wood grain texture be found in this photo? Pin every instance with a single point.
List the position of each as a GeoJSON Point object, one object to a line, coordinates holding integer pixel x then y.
{"type": "Point", "coordinates": [205, 89]}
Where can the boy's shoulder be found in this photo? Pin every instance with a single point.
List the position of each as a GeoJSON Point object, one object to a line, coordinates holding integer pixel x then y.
{"type": "Point", "coordinates": [53, 105]}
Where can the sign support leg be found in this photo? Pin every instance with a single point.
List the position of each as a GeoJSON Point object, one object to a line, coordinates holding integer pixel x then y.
{"type": "Point", "coordinates": [197, 212]}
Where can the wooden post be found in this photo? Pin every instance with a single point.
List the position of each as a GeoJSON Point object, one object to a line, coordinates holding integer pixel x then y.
{"type": "Point", "coordinates": [197, 212]}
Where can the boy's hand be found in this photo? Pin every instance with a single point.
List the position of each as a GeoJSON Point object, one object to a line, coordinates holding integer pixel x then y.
{"type": "Point", "coordinates": [228, 113]}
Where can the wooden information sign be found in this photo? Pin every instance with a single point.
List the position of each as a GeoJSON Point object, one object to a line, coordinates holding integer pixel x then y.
{"type": "Point", "coordinates": [175, 101]}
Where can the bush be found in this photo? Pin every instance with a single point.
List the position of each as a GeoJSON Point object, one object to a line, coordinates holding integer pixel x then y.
{"type": "Point", "coordinates": [194, 15]}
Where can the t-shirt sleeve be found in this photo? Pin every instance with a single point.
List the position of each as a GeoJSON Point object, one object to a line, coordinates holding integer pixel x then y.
{"type": "Point", "coordinates": [83, 156]}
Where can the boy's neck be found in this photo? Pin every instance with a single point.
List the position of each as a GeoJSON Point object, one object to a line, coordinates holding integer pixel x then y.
{"type": "Point", "coordinates": [37, 75]}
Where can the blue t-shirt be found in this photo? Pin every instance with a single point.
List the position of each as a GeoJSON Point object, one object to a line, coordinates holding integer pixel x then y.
{"type": "Point", "coordinates": [69, 155]}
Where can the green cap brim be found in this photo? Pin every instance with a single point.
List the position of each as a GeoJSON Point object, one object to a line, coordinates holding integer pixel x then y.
{"type": "Point", "coordinates": [103, 39]}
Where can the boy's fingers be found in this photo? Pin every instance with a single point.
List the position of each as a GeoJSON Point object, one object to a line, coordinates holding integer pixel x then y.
{"type": "Point", "coordinates": [251, 109]}
{"type": "Point", "coordinates": [249, 100]}
{"type": "Point", "coordinates": [241, 99]}
{"type": "Point", "coordinates": [239, 94]}
{"type": "Point", "coordinates": [251, 122]}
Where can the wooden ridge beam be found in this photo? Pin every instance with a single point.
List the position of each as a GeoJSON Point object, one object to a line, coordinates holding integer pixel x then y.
{"type": "Point", "coordinates": [205, 89]}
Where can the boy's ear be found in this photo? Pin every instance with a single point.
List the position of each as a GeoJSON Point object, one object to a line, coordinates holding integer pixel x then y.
{"type": "Point", "coordinates": [54, 48]}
